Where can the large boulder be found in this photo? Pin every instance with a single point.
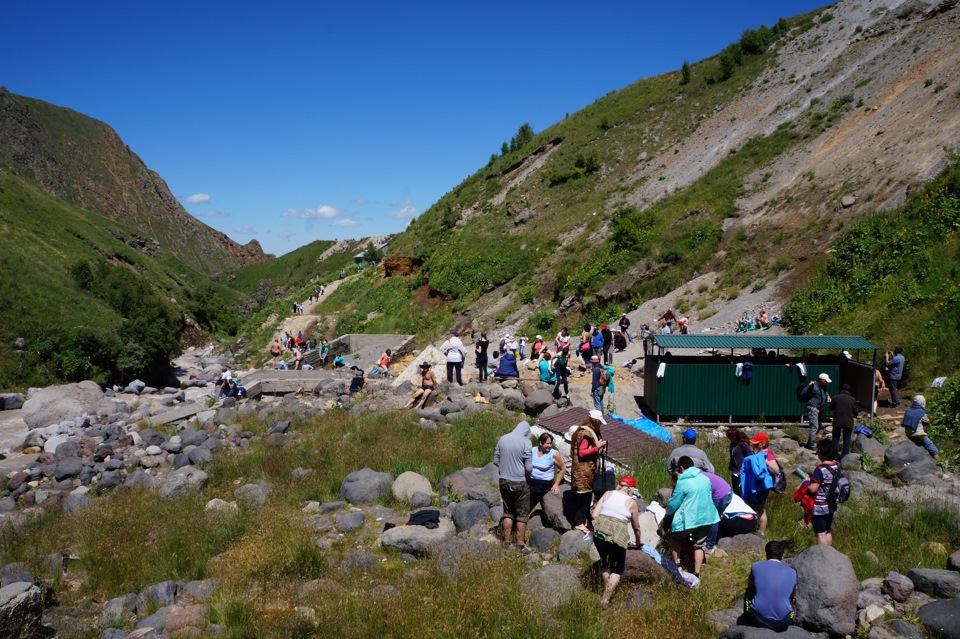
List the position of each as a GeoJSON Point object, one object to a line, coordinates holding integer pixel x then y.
{"type": "Point", "coordinates": [55, 404]}
{"type": "Point", "coordinates": [553, 511]}
{"type": "Point", "coordinates": [827, 591]}
{"type": "Point", "coordinates": [365, 486]}
{"type": "Point", "coordinates": [409, 483]}
{"type": "Point", "coordinates": [460, 482]}
{"type": "Point", "coordinates": [903, 454]}
{"type": "Point", "coordinates": [642, 567]}
{"type": "Point", "coordinates": [542, 538]}
{"type": "Point", "coordinates": [451, 556]}
{"type": "Point", "coordinates": [417, 540]}
{"type": "Point", "coordinates": [21, 608]}
{"type": "Point", "coordinates": [513, 400]}
{"type": "Point", "coordinates": [941, 619]}
{"type": "Point", "coordinates": [939, 583]}
{"type": "Point", "coordinates": [183, 481]}
{"type": "Point", "coordinates": [574, 542]}
{"type": "Point", "coordinates": [538, 400]}
{"type": "Point", "coordinates": [551, 585]}
{"type": "Point", "coordinates": [468, 513]}
{"type": "Point", "coordinates": [868, 446]}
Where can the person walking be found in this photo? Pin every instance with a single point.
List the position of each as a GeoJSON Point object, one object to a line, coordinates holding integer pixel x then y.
{"type": "Point", "coordinates": [846, 408]}
{"type": "Point", "coordinates": [482, 358]}
{"type": "Point", "coordinates": [625, 327]}
{"type": "Point", "coordinates": [817, 400]}
{"type": "Point", "coordinates": [453, 349]}
{"type": "Point", "coordinates": [613, 515]}
{"type": "Point", "coordinates": [513, 460]}
{"type": "Point", "coordinates": [895, 363]}
{"type": "Point", "coordinates": [757, 483]}
{"type": "Point", "coordinates": [821, 484]}
{"type": "Point", "coordinates": [607, 335]}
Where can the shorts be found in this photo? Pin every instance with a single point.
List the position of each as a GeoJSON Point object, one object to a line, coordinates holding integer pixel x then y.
{"type": "Point", "coordinates": [612, 556]}
{"type": "Point", "coordinates": [516, 500]}
{"type": "Point", "coordinates": [822, 523]}
{"type": "Point", "coordinates": [761, 504]}
{"type": "Point", "coordinates": [696, 536]}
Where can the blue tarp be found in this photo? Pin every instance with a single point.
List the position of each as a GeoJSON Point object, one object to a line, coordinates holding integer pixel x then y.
{"type": "Point", "coordinates": [648, 426]}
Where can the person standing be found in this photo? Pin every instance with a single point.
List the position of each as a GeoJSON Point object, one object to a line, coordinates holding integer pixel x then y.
{"type": "Point", "coordinates": [817, 400]}
{"type": "Point", "coordinates": [739, 449]}
{"type": "Point", "coordinates": [613, 515]}
{"type": "Point", "coordinates": [585, 450]}
{"type": "Point", "coordinates": [453, 349]}
{"type": "Point", "coordinates": [481, 349]}
{"type": "Point", "coordinates": [513, 459]}
{"type": "Point", "coordinates": [915, 423]}
{"type": "Point", "coordinates": [755, 494]}
{"type": "Point", "coordinates": [895, 364]}
{"type": "Point", "coordinates": [596, 341]}
{"type": "Point", "coordinates": [771, 592]}
{"type": "Point", "coordinates": [598, 385]}
{"type": "Point", "coordinates": [691, 505]}
{"type": "Point", "coordinates": [607, 344]}
{"type": "Point", "coordinates": [846, 408]}
{"type": "Point", "coordinates": [821, 483]}
{"type": "Point", "coordinates": [544, 477]}
{"type": "Point", "coordinates": [276, 349]}
{"type": "Point", "coordinates": [625, 327]}
{"type": "Point", "coordinates": [562, 372]}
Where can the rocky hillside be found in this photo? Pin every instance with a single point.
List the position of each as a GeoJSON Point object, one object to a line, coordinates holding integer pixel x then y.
{"type": "Point", "coordinates": [83, 161]}
{"type": "Point", "coordinates": [748, 166]}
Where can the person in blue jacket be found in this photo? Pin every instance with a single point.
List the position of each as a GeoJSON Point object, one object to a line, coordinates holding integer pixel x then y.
{"type": "Point", "coordinates": [508, 365]}
{"type": "Point", "coordinates": [915, 423]}
{"type": "Point", "coordinates": [691, 506]}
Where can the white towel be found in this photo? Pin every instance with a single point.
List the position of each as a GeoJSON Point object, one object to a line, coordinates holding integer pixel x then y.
{"type": "Point", "coordinates": [657, 510]}
{"type": "Point", "coordinates": [661, 369]}
{"type": "Point", "coordinates": [803, 368]}
{"type": "Point", "coordinates": [739, 371]}
{"type": "Point", "coordinates": [938, 382]}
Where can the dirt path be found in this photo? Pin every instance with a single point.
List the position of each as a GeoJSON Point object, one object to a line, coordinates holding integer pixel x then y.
{"type": "Point", "coordinates": [309, 319]}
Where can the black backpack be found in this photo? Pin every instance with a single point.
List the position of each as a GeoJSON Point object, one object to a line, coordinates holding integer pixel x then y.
{"type": "Point", "coordinates": [840, 488]}
{"type": "Point", "coordinates": [803, 393]}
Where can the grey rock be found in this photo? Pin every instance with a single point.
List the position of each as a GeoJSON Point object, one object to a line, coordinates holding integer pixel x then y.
{"type": "Point", "coordinates": [75, 502]}
{"type": "Point", "coordinates": [827, 591]}
{"type": "Point", "coordinates": [417, 540]}
{"type": "Point", "coordinates": [485, 493]}
{"type": "Point", "coordinates": [350, 521]}
{"type": "Point", "coordinates": [151, 437]}
{"type": "Point", "coordinates": [941, 619]}
{"type": "Point", "coordinates": [298, 475]}
{"type": "Point", "coordinates": [953, 561]}
{"type": "Point", "coordinates": [365, 486]}
{"type": "Point", "coordinates": [280, 427]}
{"type": "Point", "coordinates": [468, 513]}
{"type": "Point", "coordinates": [58, 403]}
{"type": "Point", "coordinates": [158, 596]}
{"type": "Point", "coordinates": [552, 585]}
{"type": "Point", "coordinates": [572, 543]}
{"type": "Point", "coordinates": [138, 479]}
{"type": "Point", "coordinates": [537, 401]}
{"type": "Point", "coordinates": [384, 591]}
{"type": "Point", "coordinates": [541, 539]}
{"type": "Point", "coordinates": [513, 400]}
{"type": "Point", "coordinates": [21, 610]}
{"type": "Point", "coordinates": [67, 468]}
{"type": "Point", "coordinates": [918, 470]}
{"type": "Point", "coordinates": [553, 511]}
{"type": "Point", "coordinates": [409, 483]}
{"type": "Point", "coordinates": [868, 446]}
{"type": "Point", "coordinates": [12, 573]}
{"type": "Point", "coordinates": [180, 460]}
{"type": "Point", "coordinates": [462, 481]}
{"type": "Point", "coordinates": [191, 437]}
{"type": "Point", "coordinates": [898, 586]}
{"type": "Point", "coordinates": [905, 630]}
{"type": "Point", "coordinates": [114, 633]}
{"type": "Point", "coordinates": [11, 401]}
{"type": "Point", "coordinates": [939, 583]}
{"type": "Point", "coordinates": [219, 508]}
{"type": "Point", "coordinates": [847, 201]}
{"type": "Point", "coordinates": [201, 590]}
{"type": "Point", "coordinates": [183, 481]}
{"type": "Point", "coordinates": [904, 453]}
{"type": "Point", "coordinates": [252, 496]}
{"type": "Point", "coordinates": [742, 543]}
{"type": "Point", "coordinates": [119, 610]}
{"type": "Point", "coordinates": [199, 456]}
{"type": "Point", "coordinates": [420, 500]}
{"type": "Point", "coordinates": [360, 560]}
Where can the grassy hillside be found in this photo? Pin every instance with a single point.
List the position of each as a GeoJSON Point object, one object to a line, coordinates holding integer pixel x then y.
{"type": "Point", "coordinates": [70, 283]}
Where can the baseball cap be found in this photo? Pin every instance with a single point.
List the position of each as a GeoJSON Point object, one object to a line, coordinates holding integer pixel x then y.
{"type": "Point", "coordinates": [539, 336]}
{"type": "Point", "coordinates": [595, 414]}
{"type": "Point", "coordinates": [629, 481]}
{"type": "Point", "coordinates": [760, 438]}
{"type": "Point", "coordinates": [825, 377]}
{"type": "Point", "coordinates": [689, 434]}
{"type": "Point", "coordinates": [594, 358]}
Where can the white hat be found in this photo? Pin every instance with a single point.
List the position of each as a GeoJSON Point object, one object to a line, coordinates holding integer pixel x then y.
{"type": "Point", "coordinates": [597, 415]}
{"type": "Point", "coordinates": [825, 378]}
{"type": "Point", "coordinates": [568, 436]}
{"type": "Point", "coordinates": [539, 336]}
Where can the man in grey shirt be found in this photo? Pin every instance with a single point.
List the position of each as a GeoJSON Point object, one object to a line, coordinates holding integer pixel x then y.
{"type": "Point", "coordinates": [688, 449]}
{"type": "Point", "coordinates": [513, 457]}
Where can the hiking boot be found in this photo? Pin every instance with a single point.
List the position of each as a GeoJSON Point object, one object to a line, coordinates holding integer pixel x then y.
{"type": "Point", "coordinates": [525, 549]}
{"type": "Point", "coordinates": [709, 551]}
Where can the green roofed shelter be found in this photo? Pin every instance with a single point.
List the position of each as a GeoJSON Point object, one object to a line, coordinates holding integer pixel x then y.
{"type": "Point", "coordinates": [774, 342]}
{"type": "Point", "coordinates": [745, 378]}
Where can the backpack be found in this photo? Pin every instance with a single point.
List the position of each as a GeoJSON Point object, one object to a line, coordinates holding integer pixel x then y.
{"type": "Point", "coordinates": [780, 480]}
{"type": "Point", "coordinates": [803, 393]}
{"type": "Point", "coordinates": [604, 376]}
{"type": "Point", "coordinates": [840, 488]}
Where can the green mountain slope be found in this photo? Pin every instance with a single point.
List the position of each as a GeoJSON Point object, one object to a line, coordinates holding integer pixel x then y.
{"type": "Point", "coordinates": [83, 161]}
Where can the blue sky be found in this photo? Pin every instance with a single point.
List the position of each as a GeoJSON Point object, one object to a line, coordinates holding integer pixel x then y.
{"type": "Point", "coordinates": [296, 121]}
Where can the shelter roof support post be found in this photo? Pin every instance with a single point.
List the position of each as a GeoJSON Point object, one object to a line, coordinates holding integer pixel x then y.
{"type": "Point", "coordinates": [873, 388]}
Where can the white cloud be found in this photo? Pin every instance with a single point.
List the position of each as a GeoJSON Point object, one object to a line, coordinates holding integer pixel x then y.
{"type": "Point", "coordinates": [285, 237]}
{"type": "Point", "coordinates": [343, 222]}
{"type": "Point", "coordinates": [361, 200]}
{"type": "Point", "coordinates": [198, 198]}
{"type": "Point", "coordinates": [404, 210]}
{"type": "Point", "coordinates": [214, 214]}
{"type": "Point", "coordinates": [245, 230]}
{"type": "Point", "coordinates": [323, 211]}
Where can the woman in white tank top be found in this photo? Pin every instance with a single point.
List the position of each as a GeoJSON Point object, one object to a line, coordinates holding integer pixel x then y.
{"type": "Point", "coordinates": [612, 517]}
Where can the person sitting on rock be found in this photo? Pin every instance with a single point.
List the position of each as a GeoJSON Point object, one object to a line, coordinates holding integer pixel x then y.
{"type": "Point", "coordinates": [508, 365]}
{"type": "Point", "coordinates": [358, 382]}
{"type": "Point", "coordinates": [688, 449]}
{"type": "Point", "coordinates": [763, 320]}
{"type": "Point", "coordinates": [915, 422]}
{"type": "Point", "coordinates": [427, 385]}
{"type": "Point", "coordinates": [771, 592]}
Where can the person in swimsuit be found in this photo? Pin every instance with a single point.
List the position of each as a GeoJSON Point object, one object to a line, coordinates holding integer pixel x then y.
{"type": "Point", "coordinates": [427, 385]}
{"type": "Point", "coordinates": [275, 351]}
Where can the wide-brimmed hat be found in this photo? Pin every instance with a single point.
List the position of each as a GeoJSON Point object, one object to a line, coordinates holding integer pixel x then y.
{"type": "Point", "coordinates": [568, 436]}
{"type": "Point", "coordinates": [597, 415]}
{"type": "Point", "coordinates": [425, 364]}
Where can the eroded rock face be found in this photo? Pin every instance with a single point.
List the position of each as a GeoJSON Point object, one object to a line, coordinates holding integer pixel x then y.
{"type": "Point", "coordinates": [21, 607]}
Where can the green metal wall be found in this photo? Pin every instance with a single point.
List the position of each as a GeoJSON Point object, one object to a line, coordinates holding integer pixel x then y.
{"type": "Point", "coordinates": [690, 388]}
